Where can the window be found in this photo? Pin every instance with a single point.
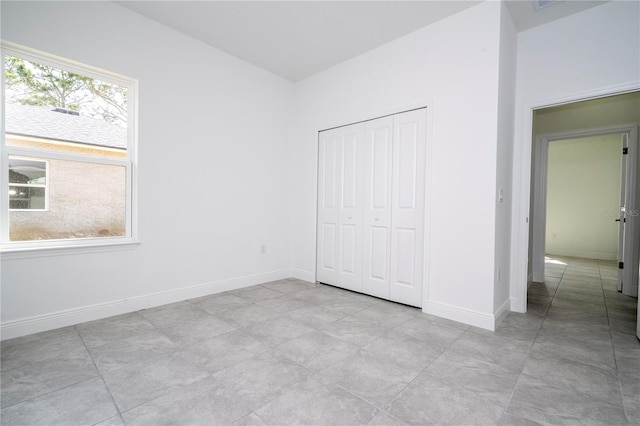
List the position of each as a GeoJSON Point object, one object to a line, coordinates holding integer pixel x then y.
{"type": "Point", "coordinates": [67, 153]}
{"type": "Point", "coordinates": [27, 184]}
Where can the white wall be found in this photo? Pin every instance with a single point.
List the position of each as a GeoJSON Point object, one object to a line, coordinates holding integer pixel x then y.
{"type": "Point", "coordinates": [612, 111]}
{"type": "Point", "coordinates": [583, 196]}
{"type": "Point", "coordinates": [212, 171]}
{"type": "Point", "coordinates": [506, 114]}
{"type": "Point", "coordinates": [593, 52]}
{"type": "Point", "coordinates": [452, 67]}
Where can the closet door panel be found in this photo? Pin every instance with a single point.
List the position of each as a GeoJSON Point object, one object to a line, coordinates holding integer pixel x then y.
{"type": "Point", "coordinates": [349, 247]}
{"type": "Point", "coordinates": [407, 207]}
{"type": "Point", "coordinates": [327, 234]}
{"type": "Point", "coordinates": [377, 206]}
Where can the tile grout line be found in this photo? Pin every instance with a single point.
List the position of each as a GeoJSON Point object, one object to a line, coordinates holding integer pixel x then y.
{"type": "Point", "coordinates": [421, 371]}
{"type": "Point", "coordinates": [613, 349]}
{"type": "Point", "coordinates": [115, 404]}
{"type": "Point", "coordinates": [513, 391]}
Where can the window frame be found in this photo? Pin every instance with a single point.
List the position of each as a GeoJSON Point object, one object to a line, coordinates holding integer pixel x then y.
{"type": "Point", "coordinates": [31, 185]}
{"type": "Point", "coordinates": [61, 246]}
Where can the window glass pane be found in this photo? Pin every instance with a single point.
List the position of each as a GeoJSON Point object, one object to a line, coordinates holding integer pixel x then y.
{"type": "Point", "coordinates": [26, 198]}
{"type": "Point", "coordinates": [86, 200]}
{"type": "Point", "coordinates": [27, 171]}
{"type": "Point", "coordinates": [55, 110]}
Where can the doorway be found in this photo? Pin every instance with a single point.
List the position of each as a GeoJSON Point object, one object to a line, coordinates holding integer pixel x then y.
{"type": "Point", "coordinates": [584, 189]}
{"type": "Point", "coordinates": [617, 114]}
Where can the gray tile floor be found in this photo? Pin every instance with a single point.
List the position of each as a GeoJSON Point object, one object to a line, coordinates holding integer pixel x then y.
{"type": "Point", "coordinates": [291, 352]}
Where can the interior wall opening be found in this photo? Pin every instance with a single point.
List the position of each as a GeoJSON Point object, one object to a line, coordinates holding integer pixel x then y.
{"type": "Point", "coordinates": [577, 192]}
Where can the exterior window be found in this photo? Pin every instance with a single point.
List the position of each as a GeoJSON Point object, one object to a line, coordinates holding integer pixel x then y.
{"type": "Point", "coordinates": [27, 184]}
{"type": "Point", "coordinates": [67, 153]}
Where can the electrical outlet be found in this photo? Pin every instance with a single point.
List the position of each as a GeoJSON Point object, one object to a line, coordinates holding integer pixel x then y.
{"type": "Point", "coordinates": [263, 249]}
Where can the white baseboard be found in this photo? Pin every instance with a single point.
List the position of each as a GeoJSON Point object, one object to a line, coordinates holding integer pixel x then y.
{"type": "Point", "coordinates": [514, 305]}
{"type": "Point", "coordinates": [582, 254]}
{"type": "Point", "coordinates": [302, 275]}
{"type": "Point", "coordinates": [50, 321]}
{"type": "Point", "coordinates": [501, 313]}
{"type": "Point", "coordinates": [466, 316]}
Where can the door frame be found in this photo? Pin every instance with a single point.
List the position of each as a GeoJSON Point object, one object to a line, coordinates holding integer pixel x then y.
{"type": "Point", "coordinates": [522, 184]}
{"type": "Point", "coordinates": [539, 224]}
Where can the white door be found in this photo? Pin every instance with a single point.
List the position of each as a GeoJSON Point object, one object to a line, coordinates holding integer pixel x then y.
{"type": "Point", "coordinates": [622, 213]}
{"type": "Point", "coordinates": [629, 215]}
{"type": "Point", "coordinates": [407, 207]}
{"type": "Point", "coordinates": [326, 257]}
{"type": "Point", "coordinates": [378, 150]}
{"type": "Point", "coordinates": [371, 188]}
{"type": "Point", "coordinates": [349, 250]}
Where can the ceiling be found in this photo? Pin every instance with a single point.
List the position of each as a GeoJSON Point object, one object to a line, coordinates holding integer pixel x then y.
{"type": "Point", "coordinates": [296, 39]}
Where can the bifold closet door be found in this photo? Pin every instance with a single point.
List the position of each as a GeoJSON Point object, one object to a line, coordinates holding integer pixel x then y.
{"type": "Point", "coordinates": [371, 185]}
{"type": "Point", "coordinates": [407, 207]}
{"type": "Point", "coordinates": [378, 151]}
{"type": "Point", "coordinates": [340, 207]}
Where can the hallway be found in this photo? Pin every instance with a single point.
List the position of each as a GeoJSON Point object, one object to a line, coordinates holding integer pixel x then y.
{"type": "Point", "coordinates": [585, 358]}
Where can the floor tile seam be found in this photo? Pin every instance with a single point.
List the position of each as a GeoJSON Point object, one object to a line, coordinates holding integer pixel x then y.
{"type": "Point", "coordinates": [200, 308]}
{"type": "Point", "coordinates": [4, 369]}
{"type": "Point", "coordinates": [613, 350]}
{"type": "Point", "coordinates": [543, 409]}
{"type": "Point", "coordinates": [385, 408]}
{"type": "Point", "coordinates": [160, 330]}
{"type": "Point", "coordinates": [521, 374]}
{"type": "Point", "coordinates": [390, 330]}
{"type": "Point", "coordinates": [97, 375]}
{"type": "Point", "coordinates": [58, 390]}
{"type": "Point", "coordinates": [608, 326]}
{"type": "Point", "coordinates": [139, 314]}
{"type": "Point", "coordinates": [361, 398]}
{"type": "Point", "coordinates": [86, 350]}
{"type": "Point", "coordinates": [590, 391]}
{"type": "Point", "coordinates": [626, 409]}
{"type": "Point", "coordinates": [255, 414]}
{"type": "Point", "coordinates": [335, 397]}
{"type": "Point", "coordinates": [137, 364]}
{"type": "Point", "coordinates": [168, 391]}
{"type": "Point", "coordinates": [276, 396]}
{"type": "Point", "coordinates": [186, 346]}
{"type": "Point", "coordinates": [113, 400]}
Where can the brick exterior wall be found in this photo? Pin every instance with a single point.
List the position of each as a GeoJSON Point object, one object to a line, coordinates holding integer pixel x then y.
{"type": "Point", "coordinates": [85, 200]}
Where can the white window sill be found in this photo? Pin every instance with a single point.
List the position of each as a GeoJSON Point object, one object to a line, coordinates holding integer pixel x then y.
{"type": "Point", "coordinates": [9, 252]}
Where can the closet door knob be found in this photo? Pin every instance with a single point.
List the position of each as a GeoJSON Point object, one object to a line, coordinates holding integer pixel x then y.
{"type": "Point", "coordinates": [349, 217]}
{"type": "Point", "coordinates": [376, 218]}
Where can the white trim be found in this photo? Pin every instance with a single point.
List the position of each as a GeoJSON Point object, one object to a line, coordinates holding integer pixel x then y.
{"type": "Point", "coordinates": [113, 244]}
{"type": "Point", "coordinates": [67, 317]}
{"type": "Point", "coordinates": [521, 183]}
{"type": "Point", "coordinates": [427, 203]}
{"type": "Point", "coordinates": [581, 254]}
{"type": "Point", "coordinates": [52, 155]}
{"type": "Point", "coordinates": [35, 55]}
{"type": "Point", "coordinates": [501, 313]}
{"type": "Point", "coordinates": [466, 316]}
{"type": "Point", "coordinates": [44, 247]}
{"type": "Point", "coordinates": [539, 225]}
{"type": "Point", "coordinates": [303, 275]}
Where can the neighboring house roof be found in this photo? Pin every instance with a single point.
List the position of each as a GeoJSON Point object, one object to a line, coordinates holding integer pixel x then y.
{"type": "Point", "coordinates": [44, 122]}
